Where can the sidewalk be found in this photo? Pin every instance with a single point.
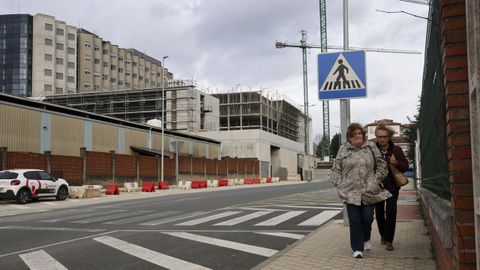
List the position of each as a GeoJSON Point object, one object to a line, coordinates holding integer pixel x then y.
{"type": "Point", "coordinates": [329, 246]}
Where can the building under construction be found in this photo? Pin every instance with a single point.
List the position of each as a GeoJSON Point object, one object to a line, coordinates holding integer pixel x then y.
{"type": "Point", "coordinates": [187, 108]}
{"type": "Point", "coordinates": [252, 110]}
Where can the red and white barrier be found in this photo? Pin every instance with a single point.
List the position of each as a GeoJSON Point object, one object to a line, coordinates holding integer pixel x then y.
{"type": "Point", "coordinates": [112, 189]}
{"type": "Point", "coordinates": [148, 187]}
{"type": "Point", "coordinates": [293, 177]}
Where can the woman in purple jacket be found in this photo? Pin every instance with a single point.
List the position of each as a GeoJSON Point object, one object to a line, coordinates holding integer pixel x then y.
{"type": "Point", "coordinates": [386, 211]}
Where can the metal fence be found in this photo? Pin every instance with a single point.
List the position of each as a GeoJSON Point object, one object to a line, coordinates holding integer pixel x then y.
{"type": "Point", "coordinates": [432, 115]}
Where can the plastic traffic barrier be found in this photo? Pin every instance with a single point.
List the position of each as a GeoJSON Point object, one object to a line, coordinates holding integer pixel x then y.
{"type": "Point", "coordinates": [163, 185]}
{"type": "Point", "coordinates": [185, 185]}
{"type": "Point", "coordinates": [112, 189]}
{"type": "Point", "coordinates": [212, 183]}
{"type": "Point", "coordinates": [76, 192]}
{"type": "Point", "coordinates": [199, 184]}
{"type": "Point", "coordinates": [92, 191]}
{"type": "Point", "coordinates": [222, 182]}
{"type": "Point", "coordinates": [269, 179]}
{"type": "Point", "coordinates": [131, 186]}
{"type": "Point", "coordinates": [148, 187]}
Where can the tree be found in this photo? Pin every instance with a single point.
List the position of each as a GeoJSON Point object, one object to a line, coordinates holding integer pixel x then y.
{"type": "Point", "coordinates": [321, 146]}
{"type": "Point", "coordinates": [410, 132]}
{"type": "Point", "coordinates": [335, 145]}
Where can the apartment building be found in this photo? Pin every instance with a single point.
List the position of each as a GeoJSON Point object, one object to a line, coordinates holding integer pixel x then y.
{"type": "Point", "coordinates": [54, 57]}
{"type": "Point", "coordinates": [41, 56]}
{"type": "Point", "coordinates": [104, 66]}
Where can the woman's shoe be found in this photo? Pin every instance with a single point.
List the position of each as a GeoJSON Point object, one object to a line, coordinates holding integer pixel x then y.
{"type": "Point", "coordinates": [382, 241]}
{"type": "Point", "coordinates": [358, 254]}
{"type": "Point", "coordinates": [367, 245]}
{"type": "Point", "coordinates": [389, 246]}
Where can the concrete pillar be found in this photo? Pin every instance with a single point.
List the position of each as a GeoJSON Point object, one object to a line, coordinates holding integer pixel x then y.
{"type": "Point", "coordinates": [159, 178]}
{"type": "Point", "coordinates": [83, 156]}
{"type": "Point", "coordinates": [137, 167]}
{"type": "Point", "coordinates": [4, 154]}
{"type": "Point", "coordinates": [48, 160]}
{"type": "Point", "coordinates": [112, 153]}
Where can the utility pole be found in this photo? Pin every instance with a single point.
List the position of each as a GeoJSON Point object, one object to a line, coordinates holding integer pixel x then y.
{"type": "Point", "coordinates": [325, 104]}
{"type": "Point", "coordinates": [303, 45]}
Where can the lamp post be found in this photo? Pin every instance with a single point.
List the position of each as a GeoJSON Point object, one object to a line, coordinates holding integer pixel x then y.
{"type": "Point", "coordinates": [163, 109]}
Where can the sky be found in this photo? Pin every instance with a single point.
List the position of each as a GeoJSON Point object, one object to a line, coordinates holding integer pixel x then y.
{"type": "Point", "coordinates": [227, 45]}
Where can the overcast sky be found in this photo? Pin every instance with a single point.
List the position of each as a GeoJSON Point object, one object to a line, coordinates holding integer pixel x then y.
{"type": "Point", "coordinates": [226, 45]}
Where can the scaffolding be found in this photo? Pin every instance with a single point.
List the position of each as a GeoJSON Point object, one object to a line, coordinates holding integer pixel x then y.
{"type": "Point", "coordinates": [252, 110]}
{"type": "Point", "coordinates": [183, 103]}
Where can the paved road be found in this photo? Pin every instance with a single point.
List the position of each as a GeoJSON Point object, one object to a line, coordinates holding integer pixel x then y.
{"type": "Point", "coordinates": [226, 229]}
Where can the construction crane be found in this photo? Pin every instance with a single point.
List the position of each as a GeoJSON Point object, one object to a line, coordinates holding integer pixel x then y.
{"type": "Point", "coordinates": [304, 46]}
{"type": "Point", "coordinates": [325, 104]}
{"type": "Point", "coordinates": [421, 2]}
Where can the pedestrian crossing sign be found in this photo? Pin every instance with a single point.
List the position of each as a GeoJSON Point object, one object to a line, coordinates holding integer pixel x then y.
{"type": "Point", "coordinates": [342, 75]}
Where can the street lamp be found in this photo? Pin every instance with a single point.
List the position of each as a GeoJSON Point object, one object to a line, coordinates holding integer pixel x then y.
{"type": "Point", "coordinates": [163, 109]}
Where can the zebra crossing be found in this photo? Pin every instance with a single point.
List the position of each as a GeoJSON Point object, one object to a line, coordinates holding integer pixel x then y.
{"type": "Point", "coordinates": [256, 217]}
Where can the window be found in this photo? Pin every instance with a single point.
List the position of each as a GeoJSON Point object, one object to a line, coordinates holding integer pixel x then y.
{"type": "Point", "coordinates": [120, 70]}
{"type": "Point", "coordinates": [71, 65]}
{"type": "Point", "coordinates": [59, 76]}
{"type": "Point", "coordinates": [47, 72]}
{"type": "Point", "coordinates": [59, 61]}
{"type": "Point", "coordinates": [47, 87]}
{"type": "Point", "coordinates": [147, 80]}
{"type": "Point", "coordinates": [96, 87]}
{"type": "Point", "coordinates": [71, 79]}
{"type": "Point", "coordinates": [140, 78]}
{"type": "Point", "coordinates": [127, 73]}
{"type": "Point", "coordinates": [71, 50]}
{"type": "Point", "coordinates": [87, 71]}
{"type": "Point", "coordinates": [127, 84]}
{"type": "Point", "coordinates": [48, 42]}
{"type": "Point", "coordinates": [87, 44]}
{"type": "Point", "coordinates": [120, 82]}
{"type": "Point", "coordinates": [96, 75]}
{"type": "Point", "coordinates": [147, 69]}
{"type": "Point", "coordinates": [97, 61]}
{"type": "Point", "coordinates": [113, 67]}
{"type": "Point", "coordinates": [127, 62]}
{"type": "Point", "coordinates": [97, 49]}
{"type": "Point", "coordinates": [48, 57]}
{"type": "Point", "coordinates": [105, 64]}
{"type": "Point", "coordinates": [105, 77]}
{"type": "Point", "coordinates": [113, 80]}
{"type": "Point", "coordinates": [113, 56]}
{"type": "Point", "coordinates": [120, 58]}
{"type": "Point", "coordinates": [58, 90]}
{"type": "Point", "coordinates": [87, 85]}
{"type": "Point", "coordinates": [71, 36]}
{"type": "Point", "coordinates": [49, 27]}
{"type": "Point", "coordinates": [60, 46]}
{"type": "Point", "coordinates": [134, 75]}
{"type": "Point", "coordinates": [60, 32]}
{"type": "Point", "coordinates": [134, 64]}
{"type": "Point", "coordinates": [158, 74]}
{"type": "Point", "coordinates": [105, 51]}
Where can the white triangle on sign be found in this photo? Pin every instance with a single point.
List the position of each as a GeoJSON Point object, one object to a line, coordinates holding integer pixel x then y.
{"type": "Point", "coordinates": [342, 77]}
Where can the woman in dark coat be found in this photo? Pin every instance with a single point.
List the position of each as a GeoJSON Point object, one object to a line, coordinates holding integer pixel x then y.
{"type": "Point", "coordinates": [386, 211]}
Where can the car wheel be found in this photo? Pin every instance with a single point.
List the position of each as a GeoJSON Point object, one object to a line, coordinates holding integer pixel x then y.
{"type": "Point", "coordinates": [62, 193]}
{"type": "Point", "coordinates": [23, 196]}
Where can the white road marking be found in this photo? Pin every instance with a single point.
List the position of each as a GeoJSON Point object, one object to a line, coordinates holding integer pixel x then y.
{"type": "Point", "coordinates": [171, 219]}
{"type": "Point", "coordinates": [133, 219]}
{"type": "Point", "coordinates": [260, 209]}
{"type": "Point", "coordinates": [40, 260]}
{"type": "Point", "coordinates": [107, 217]}
{"type": "Point", "coordinates": [241, 219]}
{"type": "Point", "coordinates": [148, 255]}
{"type": "Point", "coordinates": [50, 203]}
{"type": "Point", "coordinates": [312, 207]}
{"type": "Point", "coordinates": [36, 228]}
{"type": "Point", "coordinates": [90, 214]}
{"type": "Point", "coordinates": [209, 218]}
{"type": "Point", "coordinates": [261, 251]}
{"type": "Point", "coordinates": [281, 218]}
{"type": "Point", "coordinates": [282, 234]}
{"type": "Point", "coordinates": [320, 218]}
{"type": "Point", "coordinates": [23, 207]}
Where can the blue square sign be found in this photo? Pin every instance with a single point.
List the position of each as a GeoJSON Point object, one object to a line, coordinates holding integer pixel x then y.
{"type": "Point", "coordinates": [342, 75]}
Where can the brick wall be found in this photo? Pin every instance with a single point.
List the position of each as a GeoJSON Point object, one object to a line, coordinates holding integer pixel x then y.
{"type": "Point", "coordinates": [125, 166]}
{"type": "Point", "coordinates": [99, 165]}
{"type": "Point", "coordinates": [222, 167]}
{"type": "Point", "coordinates": [67, 167]}
{"type": "Point", "coordinates": [148, 167]}
{"type": "Point", "coordinates": [455, 68]}
{"type": "Point", "coordinates": [25, 160]}
{"type": "Point", "coordinates": [198, 166]}
{"type": "Point", "coordinates": [443, 256]}
{"type": "Point", "coordinates": [211, 166]}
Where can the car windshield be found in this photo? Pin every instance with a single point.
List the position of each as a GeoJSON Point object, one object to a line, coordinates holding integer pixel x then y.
{"type": "Point", "coordinates": [8, 175]}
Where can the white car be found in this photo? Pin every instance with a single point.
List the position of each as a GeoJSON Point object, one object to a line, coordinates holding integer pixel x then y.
{"type": "Point", "coordinates": [24, 185]}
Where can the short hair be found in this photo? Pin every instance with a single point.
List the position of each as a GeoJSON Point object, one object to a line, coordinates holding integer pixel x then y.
{"type": "Point", "coordinates": [383, 126]}
{"type": "Point", "coordinates": [352, 128]}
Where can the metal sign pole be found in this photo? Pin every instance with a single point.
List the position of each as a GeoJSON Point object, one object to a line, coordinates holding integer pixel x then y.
{"type": "Point", "coordinates": [345, 103]}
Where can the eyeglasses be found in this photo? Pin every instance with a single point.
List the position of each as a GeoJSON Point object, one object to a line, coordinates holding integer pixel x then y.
{"type": "Point", "coordinates": [382, 137]}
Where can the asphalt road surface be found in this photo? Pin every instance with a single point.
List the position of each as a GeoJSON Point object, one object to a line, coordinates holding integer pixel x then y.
{"type": "Point", "coordinates": [223, 229]}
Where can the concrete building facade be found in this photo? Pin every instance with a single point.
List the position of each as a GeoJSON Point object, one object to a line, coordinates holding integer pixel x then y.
{"type": "Point", "coordinates": [54, 58]}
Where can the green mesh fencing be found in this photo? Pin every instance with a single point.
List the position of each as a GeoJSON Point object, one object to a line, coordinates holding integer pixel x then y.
{"type": "Point", "coordinates": [432, 116]}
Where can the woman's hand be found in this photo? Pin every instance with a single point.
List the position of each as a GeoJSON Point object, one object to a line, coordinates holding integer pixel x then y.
{"type": "Point", "coordinates": [393, 160]}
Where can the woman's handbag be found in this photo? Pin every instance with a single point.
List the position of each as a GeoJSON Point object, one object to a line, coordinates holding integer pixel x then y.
{"type": "Point", "coordinates": [400, 178]}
